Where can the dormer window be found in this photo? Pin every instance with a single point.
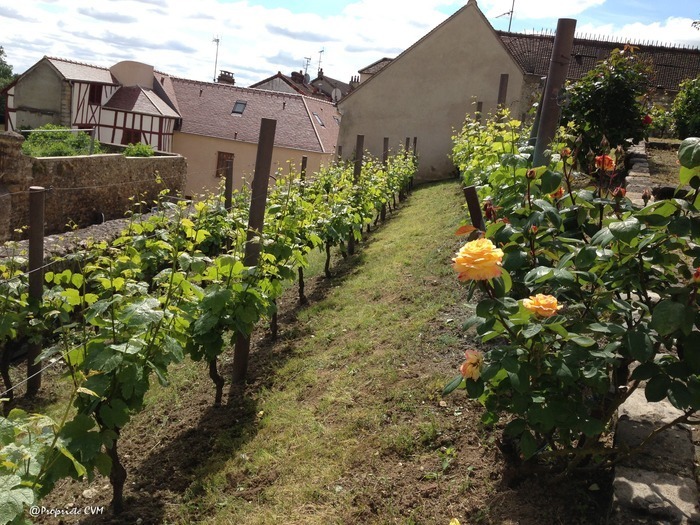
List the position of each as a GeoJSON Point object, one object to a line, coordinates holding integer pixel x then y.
{"type": "Point", "coordinates": [238, 107]}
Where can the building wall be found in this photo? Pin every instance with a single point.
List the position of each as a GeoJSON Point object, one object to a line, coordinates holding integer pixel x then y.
{"type": "Point", "coordinates": [202, 153]}
{"type": "Point", "coordinates": [84, 189]}
{"type": "Point", "coordinates": [427, 91]}
{"type": "Point", "coordinates": [38, 98]}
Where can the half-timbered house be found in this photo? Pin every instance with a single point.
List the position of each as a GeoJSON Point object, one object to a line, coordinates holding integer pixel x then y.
{"type": "Point", "coordinates": [125, 104]}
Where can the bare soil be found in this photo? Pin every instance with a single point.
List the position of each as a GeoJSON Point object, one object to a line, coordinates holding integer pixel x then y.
{"type": "Point", "coordinates": [663, 163]}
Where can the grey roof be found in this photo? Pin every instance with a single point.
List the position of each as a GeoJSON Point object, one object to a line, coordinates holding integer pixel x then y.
{"type": "Point", "coordinates": [136, 99]}
{"type": "Point", "coordinates": [82, 72]}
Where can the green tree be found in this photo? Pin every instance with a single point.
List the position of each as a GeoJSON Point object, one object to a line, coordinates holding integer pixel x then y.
{"type": "Point", "coordinates": [6, 77]}
{"type": "Point", "coordinates": [610, 101]}
{"type": "Point", "coordinates": [686, 109]}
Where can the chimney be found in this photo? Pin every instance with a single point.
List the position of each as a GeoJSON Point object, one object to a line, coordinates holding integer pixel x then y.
{"type": "Point", "coordinates": [226, 77]}
{"type": "Point", "coordinates": [354, 81]}
{"type": "Point", "coordinates": [320, 72]}
{"type": "Point", "coordinates": [298, 77]}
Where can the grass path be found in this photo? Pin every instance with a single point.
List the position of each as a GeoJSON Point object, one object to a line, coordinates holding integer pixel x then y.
{"type": "Point", "coordinates": [354, 390]}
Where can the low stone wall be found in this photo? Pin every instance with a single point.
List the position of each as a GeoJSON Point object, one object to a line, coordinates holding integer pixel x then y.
{"type": "Point", "coordinates": [83, 190]}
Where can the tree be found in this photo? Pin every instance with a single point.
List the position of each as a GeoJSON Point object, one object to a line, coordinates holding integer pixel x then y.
{"type": "Point", "coordinates": [610, 101]}
{"type": "Point", "coordinates": [686, 108]}
{"type": "Point", "coordinates": [6, 77]}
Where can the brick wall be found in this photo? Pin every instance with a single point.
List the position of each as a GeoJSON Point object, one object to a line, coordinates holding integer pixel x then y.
{"type": "Point", "coordinates": [85, 190]}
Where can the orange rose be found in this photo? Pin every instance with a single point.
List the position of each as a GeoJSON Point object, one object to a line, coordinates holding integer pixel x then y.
{"type": "Point", "coordinates": [604, 162]}
{"type": "Point", "coordinates": [557, 194]}
{"type": "Point", "coordinates": [542, 305]}
{"type": "Point", "coordinates": [471, 368]}
{"type": "Point", "coordinates": [478, 260]}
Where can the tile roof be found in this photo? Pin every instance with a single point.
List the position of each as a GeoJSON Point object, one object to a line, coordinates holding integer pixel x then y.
{"type": "Point", "coordinates": [329, 127]}
{"type": "Point", "coordinates": [206, 109]}
{"type": "Point", "coordinates": [375, 67]}
{"type": "Point", "coordinates": [82, 72]}
{"type": "Point", "coordinates": [293, 82]}
{"type": "Point", "coordinates": [140, 100]}
{"type": "Point", "coordinates": [672, 65]}
{"type": "Point", "coordinates": [326, 85]}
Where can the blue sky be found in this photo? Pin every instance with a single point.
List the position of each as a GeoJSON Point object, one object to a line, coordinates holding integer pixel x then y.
{"type": "Point", "coordinates": [257, 38]}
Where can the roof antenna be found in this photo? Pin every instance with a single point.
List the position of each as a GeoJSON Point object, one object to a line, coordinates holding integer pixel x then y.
{"type": "Point", "coordinates": [216, 60]}
{"type": "Point", "coordinates": [320, 54]}
{"type": "Point", "coordinates": [307, 61]}
{"type": "Point", "coordinates": [512, 6]}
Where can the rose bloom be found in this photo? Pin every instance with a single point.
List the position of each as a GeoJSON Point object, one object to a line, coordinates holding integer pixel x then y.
{"type": "Point", "coordinates": [647, 120]}
{"type": "Point", "coordinates": [557, 194]}
{"type": "Point", "coordinates": [478, 260]}
{"type": "Point", "coordinates": [696, 275]}
{"type": "Point", "coordinates": [604, 162]}
{"type": "Point", "coordinates": [471, 368]}
{"type": "Point", "coordinates": [542, 305]}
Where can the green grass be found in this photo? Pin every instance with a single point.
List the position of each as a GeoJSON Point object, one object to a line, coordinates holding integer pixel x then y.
{"type": "Point", "coordinates": [329, 399]}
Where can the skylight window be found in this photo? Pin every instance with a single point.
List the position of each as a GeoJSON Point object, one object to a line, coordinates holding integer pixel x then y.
{"type": "Point", "coordinates": [318, 119]}
{"type": "Point", "coordinates": [238, 107]}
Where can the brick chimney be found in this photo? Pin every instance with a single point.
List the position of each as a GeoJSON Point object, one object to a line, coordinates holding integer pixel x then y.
{"type": "Point", "coordinates": [226, 77]}
{"type": "Point", "coordinates": [298, 77]}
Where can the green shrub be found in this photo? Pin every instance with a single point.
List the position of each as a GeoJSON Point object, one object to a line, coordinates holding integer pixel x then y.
{"type": "Point", "coordinates": [610, 101]}
{"type": "Point", "coordinates": [139, 150]}
{"type": "Point", "coordinates": [662, 122]}
{"type": "Point", "coordinates": [686, 109]}
{"type": "Point", "coordinates": [58, 141]}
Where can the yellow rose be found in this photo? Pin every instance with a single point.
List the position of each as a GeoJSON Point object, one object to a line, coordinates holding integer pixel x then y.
{"type": "Point", "coordinates": [471, 368]}
{"type": "Point", "coordinates": [542, 305]}
{"type": "Point", "coordinates": [478, 260]}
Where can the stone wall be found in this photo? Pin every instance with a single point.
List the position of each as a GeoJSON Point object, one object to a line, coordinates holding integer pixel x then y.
{"type": "Point", "coordinates": [83, 190]}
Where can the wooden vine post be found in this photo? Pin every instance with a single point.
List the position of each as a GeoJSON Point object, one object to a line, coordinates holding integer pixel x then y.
{"type": "Point", "coordinates": [36, 279]}
{"type": "Point", "coordinates": [302, 296]}
{"type": "Point", "coordinates": [357, 170]}
{"type": "Point", "coordinates": [256, 218]}
{"type": "Point", "coordinates": [228, 187]}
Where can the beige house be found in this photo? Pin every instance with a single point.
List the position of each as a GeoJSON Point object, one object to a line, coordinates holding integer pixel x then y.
{"type": "Point", "coordinates": [221, 122]}
{"type": "Point", "coordinates": [426, 91]}
{"type": "Point", "coordinates": [463, 66]}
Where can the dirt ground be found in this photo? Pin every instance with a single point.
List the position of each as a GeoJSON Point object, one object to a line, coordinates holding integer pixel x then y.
{"type": "Point", "coordinates": [663, 165]}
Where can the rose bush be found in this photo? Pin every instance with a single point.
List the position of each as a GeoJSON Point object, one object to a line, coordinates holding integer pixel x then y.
{"type": "Point", "coordinates": [628, 277]}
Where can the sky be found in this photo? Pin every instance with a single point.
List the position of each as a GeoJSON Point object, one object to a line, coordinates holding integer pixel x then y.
{"type": "Point", "coordinates": [258, 38]}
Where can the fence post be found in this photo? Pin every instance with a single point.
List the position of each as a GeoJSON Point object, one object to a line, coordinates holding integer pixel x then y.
{"type": "Point", "coordinates": [558, 69]}
{"type": "Point", "coordinates": [304, 161]}
{"type": "Point", "coordinates": [503, 89]}
{"type": "Point", "coordinates": [357, 170]}
{"type": "Point", "coordinates": [385, 162]}
{"type": "Point", "coordinates": [474, 207]}
{"type": "Point", "coordinates": [92, 141]}
{"type": "Point", "coordinates": [37, 197]}
{"type": "Point", "coordinates": [256, 218]}
{"type": "Point", "coordinates": [228, 184]}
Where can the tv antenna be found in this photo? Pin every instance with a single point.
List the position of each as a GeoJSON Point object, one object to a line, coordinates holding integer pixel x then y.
{"type": "Point", "coordinates": [216, 40]}
{"type": "Point", "coordinates": [509, 13]}
{"type": "Point", "coordinates": [307, 61]}
{"type": "Point", "coordinates": [320, 54]}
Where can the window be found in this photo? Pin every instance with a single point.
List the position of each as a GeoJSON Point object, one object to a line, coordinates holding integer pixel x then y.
{"type": "Point", "coordinates": [239, 107]}
{"type": "Point", "coordinates": [221, 159]}
{"type": "Point", "coordinates": [131, 136]}
{"type": "Point", "coordinates": [336, 119]}
{"type": "Point", "coordinates": [95, 95]}
{"type": "Point", "coordinates": [318, 119]}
